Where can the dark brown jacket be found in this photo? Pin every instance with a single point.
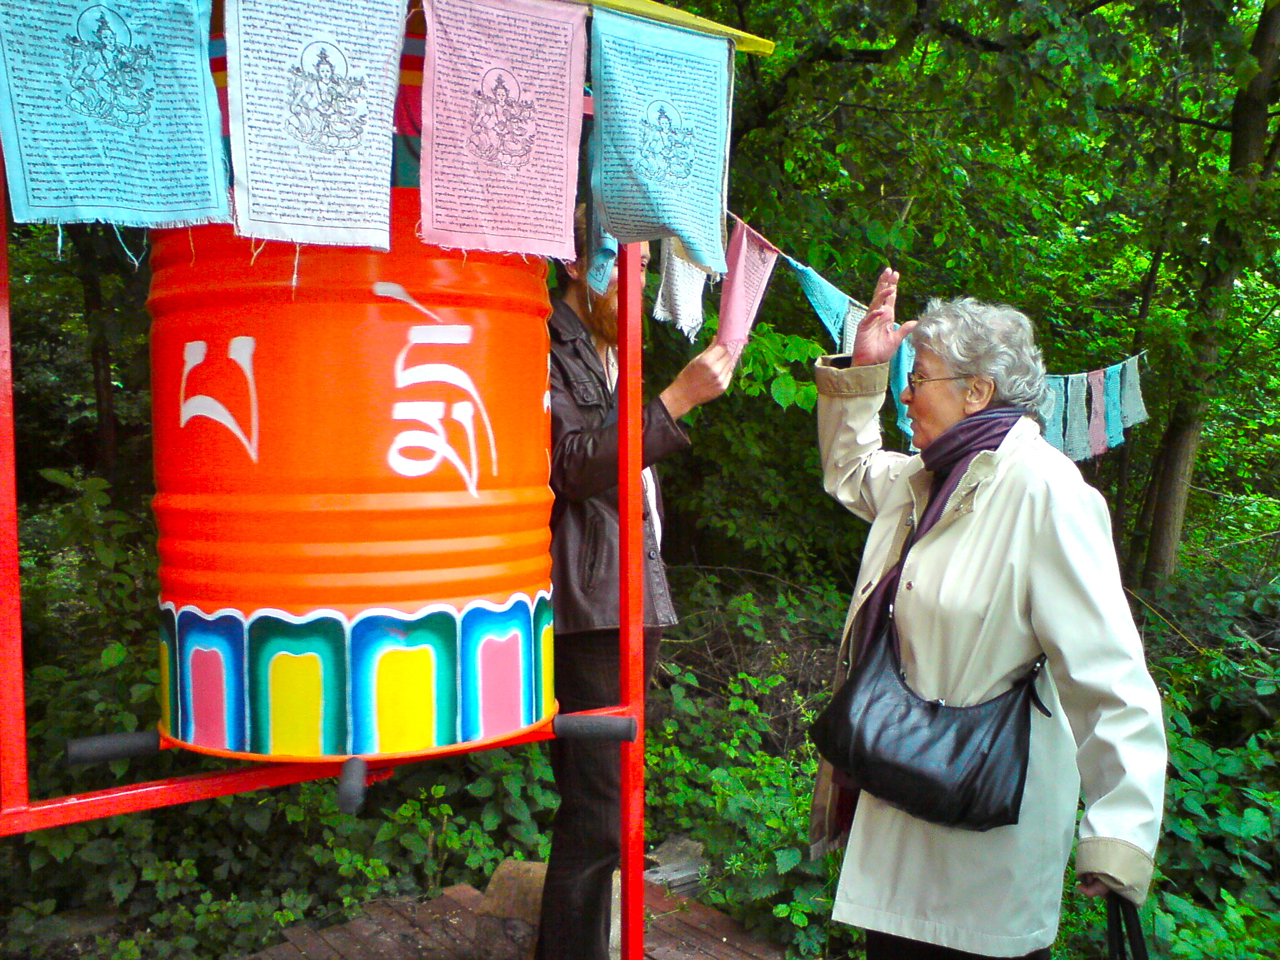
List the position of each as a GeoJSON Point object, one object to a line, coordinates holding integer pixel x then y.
{"type": "Point", "coordinates": [584, 478]}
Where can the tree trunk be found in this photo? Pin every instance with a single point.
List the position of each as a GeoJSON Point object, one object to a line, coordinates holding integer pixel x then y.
{"type": "Point", "coordinates": [93, 262]}
{"type": "Point", "coordinates": [1251, 159]}
{"type": "Point", "coordinates": [1173, 472]}
{"type": "Point", "coordinates": [104, 403]}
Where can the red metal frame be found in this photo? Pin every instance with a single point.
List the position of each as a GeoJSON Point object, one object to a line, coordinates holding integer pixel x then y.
{"type": "Point", "coordinates": [630, 287]}
{"type": "Point", "coordinates": [19, 814]}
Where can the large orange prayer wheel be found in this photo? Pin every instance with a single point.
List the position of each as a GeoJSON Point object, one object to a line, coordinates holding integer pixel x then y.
{"type": "Point", "coordinates": [352, 466]}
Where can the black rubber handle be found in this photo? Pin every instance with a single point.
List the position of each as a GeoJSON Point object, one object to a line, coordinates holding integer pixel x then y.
{"type": "Point", "coordinates": [352, 783]}
{"type": "Point", "coordinates": [113, 746]}
{"type": "Point", "coordinates": [572, 726]}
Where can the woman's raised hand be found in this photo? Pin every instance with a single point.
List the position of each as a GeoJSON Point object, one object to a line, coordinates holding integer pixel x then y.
{"type": "Point", "coordinates": [878, 334]}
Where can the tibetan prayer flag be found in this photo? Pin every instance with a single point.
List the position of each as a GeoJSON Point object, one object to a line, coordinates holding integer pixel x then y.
{"type": "Point", "coordinates": [602, 255]}
{"type": "Point", "coordinates": [1132, 409]}
{"type": "Point", "coordinates": [1075, 431]}
{"type": "Point", "coordinates": [751, 260]}
{"type": "Point", "coordinates": [1052, 409]}
{"type": "Point", "coordinates": [1098, 413]}
{"type": "Point", "coordinates": [900, 366]}
{"type": "Point", "coordinates": [311, 92]}
{"type": "Point", "coordinates": [661, 133]}
{"type": "Point", "coordinates": [829, 302]}
{"type": "Point", "coordinates": [501, 121]}
{"type": "Point", "coordinates": [111, 113]}
{"type": "Point", "coordinates": [852, 317]}
{"type": "Point", "coordinates": [1115, 426]}
{"type": "Point", "coordinates": [679, 298]}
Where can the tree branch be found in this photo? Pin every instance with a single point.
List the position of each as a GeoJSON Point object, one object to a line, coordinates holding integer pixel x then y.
{"type": "Point", "coordinates": [1154, 113]}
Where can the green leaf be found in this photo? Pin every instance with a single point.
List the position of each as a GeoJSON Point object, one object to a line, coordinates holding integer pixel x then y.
{"type": "Point", "coordinates": [783, 390]}
{"type": "Point", "coordinates": [100, 851]}
{"type": "Point", "coordinates": [1254, 823]}
{"type": "Point", "coordinates": [121, 883]}
{"type": "Point", "coordinates": [787, 859]}
{"type": "Point", "coordinates": [258, 818]}
{"type": "Point", "coordinates": [415, 844]}
{"type": "Point", "coordinates": [114, 655]}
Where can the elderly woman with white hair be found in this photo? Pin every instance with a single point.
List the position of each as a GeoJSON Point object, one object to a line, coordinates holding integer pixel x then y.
{"type": "Point", "coordinates": [988, 555]}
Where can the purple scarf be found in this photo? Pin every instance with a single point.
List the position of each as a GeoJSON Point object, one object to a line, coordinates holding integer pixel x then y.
{"type": "Point", "coordinates": [947, 458]}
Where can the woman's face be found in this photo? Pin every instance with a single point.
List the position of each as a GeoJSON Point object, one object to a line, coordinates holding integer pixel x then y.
{"type": "Point", "coordinates": [938, 404]}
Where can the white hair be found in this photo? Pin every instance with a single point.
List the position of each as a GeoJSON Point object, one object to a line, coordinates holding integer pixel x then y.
{"type": "Point", "coordinates": [994, 341]}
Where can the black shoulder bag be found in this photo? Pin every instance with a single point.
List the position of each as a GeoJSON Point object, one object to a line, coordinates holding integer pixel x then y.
{"type": "Point", "coordinates": [957, 766]}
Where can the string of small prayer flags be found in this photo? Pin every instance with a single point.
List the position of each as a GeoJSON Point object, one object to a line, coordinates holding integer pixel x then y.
{"type": "Point", "coordinates": [1086, 414]}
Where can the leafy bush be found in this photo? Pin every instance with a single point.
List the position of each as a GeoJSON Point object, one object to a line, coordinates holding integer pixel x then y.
{"type": "Point", "coordinates": [715, 777]}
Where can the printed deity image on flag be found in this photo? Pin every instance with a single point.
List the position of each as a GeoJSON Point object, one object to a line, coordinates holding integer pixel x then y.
{"type": "Point", "coordinates": [504, 124]}
{"type": "Point", "coordinates": [667, 146]}
{"type": "Point", "coordinates": [109, 75]}
{"type": "Point", "coordinates": [326, 107]}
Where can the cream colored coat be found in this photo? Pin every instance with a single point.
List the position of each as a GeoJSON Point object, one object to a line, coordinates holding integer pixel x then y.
{"type": "Point", "coordinates": [1021, 561]}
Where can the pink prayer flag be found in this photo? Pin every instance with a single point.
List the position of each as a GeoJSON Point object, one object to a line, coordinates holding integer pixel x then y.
{"type": "Point", "coordinates": [501, 120]}
{"type": "Point", "coordinates": [1098, 413]}
{"type": "Point", "coordinates": [751, 258]}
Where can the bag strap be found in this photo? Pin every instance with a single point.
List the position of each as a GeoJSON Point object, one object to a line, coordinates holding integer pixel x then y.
{"type": "Point", "coordinates": [1124, 929]}
{"type": "Point", "coordinates": [1032, 677]}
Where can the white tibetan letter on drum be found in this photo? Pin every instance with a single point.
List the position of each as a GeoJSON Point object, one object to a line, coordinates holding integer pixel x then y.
{"type": "Point", "coordinates": [431, 413]}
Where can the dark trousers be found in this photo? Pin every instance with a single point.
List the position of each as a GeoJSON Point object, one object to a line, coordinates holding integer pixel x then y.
{"type": "Point", "coordinates": [586, 843]}
{"type": "Point", "coordinates": [885, 946]}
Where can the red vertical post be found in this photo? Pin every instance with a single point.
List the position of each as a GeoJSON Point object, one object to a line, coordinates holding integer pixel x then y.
{"type": "Point", "coordinates": [630, 286]}
{"type": "Point", "coordinates": [13, 718]}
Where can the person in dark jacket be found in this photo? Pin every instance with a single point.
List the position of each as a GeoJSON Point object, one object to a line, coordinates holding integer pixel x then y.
{"type": "Point", "coordinates": [586, 835]}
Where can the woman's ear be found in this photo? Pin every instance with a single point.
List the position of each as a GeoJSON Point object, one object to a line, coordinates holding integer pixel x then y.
{"type": "Point", "coordinates": [576, 270]}
{"type": "Point", "coordinates": [978, 394]}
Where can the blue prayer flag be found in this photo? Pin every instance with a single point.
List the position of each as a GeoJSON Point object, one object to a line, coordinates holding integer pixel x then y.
{"type": "Point", "coordinates": [602, 254]}
{"type": "Point", "coordinates": [827, 299]}
{"type": "Point", "coordinates": [661, 133]}
{"type": "Point", "coordinates": [1053, 410]}
{"type": "Point", "coordinates": [1111, 391]}
{"type": "Point", "coordinates": [899, 370]}
{"type": "Point", "coordinates": [111, 114]}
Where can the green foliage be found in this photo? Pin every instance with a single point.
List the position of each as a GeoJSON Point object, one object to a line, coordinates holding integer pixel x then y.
{"type": "Point", "coordinates": [221, 878]}
{"type": "Point", "coordinates": [1071, 159]}
{"type": "Point", "coordinates": [718, 778]}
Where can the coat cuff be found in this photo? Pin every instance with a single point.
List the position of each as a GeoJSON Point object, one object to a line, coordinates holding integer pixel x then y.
{"type": "Point", "coordinates": [867, 381]}
{"type": "Point", "coordinates": [1119, 864]}
{"type": "Point", "coordinates": [663, 435]}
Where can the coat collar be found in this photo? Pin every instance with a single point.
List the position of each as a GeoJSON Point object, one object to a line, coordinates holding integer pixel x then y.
{"type": "Point", "coordinates": [567, 327]}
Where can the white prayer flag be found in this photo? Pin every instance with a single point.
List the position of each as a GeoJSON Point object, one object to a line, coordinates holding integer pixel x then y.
{"type": "Point", "coordinates": [311, 91]}
{"type": "Point", "coordinates": [679, 298]}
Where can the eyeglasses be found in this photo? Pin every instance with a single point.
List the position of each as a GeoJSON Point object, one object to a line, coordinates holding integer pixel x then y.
{"type": "Point", "coordinates": [914, 381]}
